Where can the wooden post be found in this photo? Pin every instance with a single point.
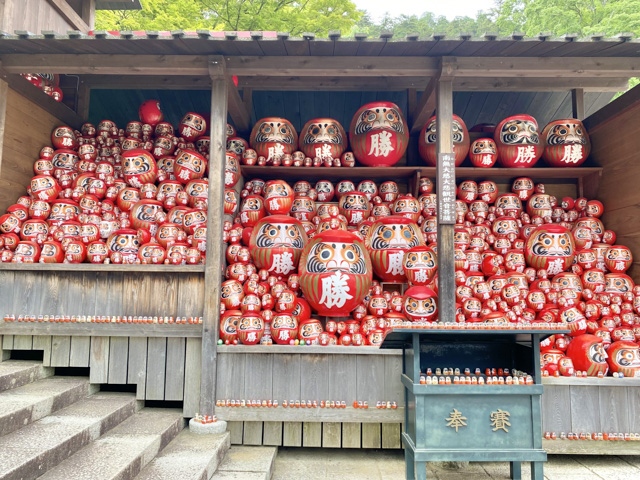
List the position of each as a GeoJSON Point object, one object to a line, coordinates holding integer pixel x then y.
{"type": "Point", "coordinates": [83, 100]}
{"type": "Point", "coordinates": [89, 13]}
{"type": "Point", "coordinates": [215, 246]}
{"type": "Point", "coordinates": [445, 184]}
{"type": "Point", "coordinates": [577, 103]}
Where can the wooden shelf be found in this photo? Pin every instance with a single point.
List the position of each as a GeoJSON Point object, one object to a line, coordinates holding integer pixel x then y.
{"type": "Point", "coordinates": [419, 389]}
{"type": "Point", "coordinates": [591, 447]}
{"type": "Point", "coordinates": [308, 349]}
{"type": "Point", "coordinates": [282, 414]}
{"type": "Point", "coordinates": [591, 381]}
{"type": "Point", "coordinates": [92, 267]}
{"type": "Point", "coordinates": [330, 173]}
{"type": "Point", "coordinates": [101, 329]}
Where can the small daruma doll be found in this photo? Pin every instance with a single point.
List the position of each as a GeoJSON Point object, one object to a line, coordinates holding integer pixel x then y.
{"type": "Point", "coordinates": [284, 328]}
{"type": "Point", "coordinates": [323, 138]}
{"type": "Point", "coordinates": [335, 273]}
{"type": "Point", "coordinates": [387, 242]}
{"type": "Point", "coordinates": [420, 304]}
{"type": "Point", "coordinates": [272, 138]}
{"type": "Point", "coordinates": [139, 167]}
{"type": "Point", "coordinates": [278, 197]}
{"type": "Point", "coordinates": [483, 153]}
{"type": "Point", "coordinates": [566, 143]}
{"type": "Point", "coordinates": [588, 354]}
{"type": "Point", "coordinates": [276, 244]}
{"type": "Point", "coordinates": [192, 126]}
{"type": "Point", "coordinates": [355, 207]}
{"type": "Point", "coordinates": [427, 141]}
{"type": "Point", "coordinates": [550, 247]}
{"type": "Point", "coordinates": [420, 265]}
{"type": "Point", "coordinates": [378, 134]}
{"type": "Point", "coordinates": [518, 142]}
{"type": "Point", "coordinates": [189, 165]}
{"type": "Point", "coordinates": [624, 357]}
{"type": "Point", "coordinates": [250, 329]}
{"type": "Point", "coordinates": [45, 188]}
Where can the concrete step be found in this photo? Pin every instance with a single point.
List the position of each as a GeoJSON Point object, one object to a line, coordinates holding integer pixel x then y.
{"type": "Point", "coordinates": [29, 403]}
{"type": "Point", "coordinates": [15, 373]}
{"type": "Point", "coordinates": [37, 448]}
{"type": "Point", "coordinates": [247, 463]}
{"type": "Point", "coordinates": [125, 450]}
{"type": "Point", "coordinates": [189, 457]}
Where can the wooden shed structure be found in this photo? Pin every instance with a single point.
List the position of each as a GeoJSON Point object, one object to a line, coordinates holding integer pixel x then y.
{"type": "Point", "coordinates": [484, 79]}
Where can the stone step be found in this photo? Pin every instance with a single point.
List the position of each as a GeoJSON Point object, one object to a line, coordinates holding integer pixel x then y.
{"type": "Point", "coordinates": [29, 403]}
{"type": "Point", "coordinates": [15, 373]}
{"type": "Point", "coordinates": [37, 448]}
{"type": "Point", "coordinates": [189, 457]}
{"type": "Point", "coordinates": [247, 463]}
{"type": "Point", "coordinates": [123, 451]}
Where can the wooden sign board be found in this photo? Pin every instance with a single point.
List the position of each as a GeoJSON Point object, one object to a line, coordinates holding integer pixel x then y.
{"type": "Point", "coordinates": [446, 188]}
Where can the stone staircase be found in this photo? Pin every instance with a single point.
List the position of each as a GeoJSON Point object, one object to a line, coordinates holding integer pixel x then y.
{"type": "Point", "coordinates": [64, 428]}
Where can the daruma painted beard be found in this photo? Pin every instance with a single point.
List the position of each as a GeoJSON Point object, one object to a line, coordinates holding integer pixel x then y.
{"type": "Point", "coordinates": [323, 138]}
{"type": "Point", "coordinates": [518, 142]}
{"type": "Point", "coordinates": [566, 143]}
{"type": "Point", "coordinates": [335, 273]}
{"type": "Point", "coordinates": [387, 242]}
{"type": "Point", "coordinates": [273, 137]}
{"type": "Point", "coordinates": [276, 244]}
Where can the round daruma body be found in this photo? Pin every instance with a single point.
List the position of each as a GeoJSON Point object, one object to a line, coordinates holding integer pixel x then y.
{"type": "Point", "coordinates": [420, 304]}
{"type": "Point", "coordinates": [379, 134]}
{"type": "Point", "coordinates": [566, 143]}
{"type": "Point", "coordinates": [550, 247]}
{"type": "Point", "coordinates": [323, 138]}
{"type": "Point", "coordinates": [387, 241]}
{"type": "Point", "coordinates": [420, 265]}
{"type": "Point", "coordinates": [276, 244]}
{"type": "Point", "coordinates": [427, 141]}
{"type": "Point", "coordinates": [273, 137]}
{"type": "Point", "coordinates": [518, 141]}
{"type": "Point", "coordinates": [335, 273]}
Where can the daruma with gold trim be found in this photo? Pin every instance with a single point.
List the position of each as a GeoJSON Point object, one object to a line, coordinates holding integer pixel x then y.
{"type": "Point", "coordinates": [566, 143]}
{"type": "Point", "coordinates": [335, 273]}
{"type": "Point", "coordinates": [379, 134]}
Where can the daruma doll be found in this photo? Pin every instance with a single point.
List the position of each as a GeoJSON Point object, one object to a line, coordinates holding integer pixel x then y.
{"type": "Point", "coordinates": [323, 138]}
{"type": "Point", "coordinates": [276, 244]}
{"type": "Point", "coordinates": [335, 273]}
{"type": "Point", "coordinates": [518, 142]}
{"type": "Point", "coordinates": [378, 134]}
{"type": "Point", "coordinates": [566, 143]}
{"type": "Point", "coordinates": [427, 141]}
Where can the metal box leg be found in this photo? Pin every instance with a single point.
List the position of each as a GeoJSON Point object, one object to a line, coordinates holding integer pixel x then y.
{"type": "Point", "coordinates": [421, 470]}
{"type": "Point", "coordinates": [410, 467]}
{"type": "Point", "coordinates": [536, 471]}
{"type": "Point", "coordinates": [515, 470]}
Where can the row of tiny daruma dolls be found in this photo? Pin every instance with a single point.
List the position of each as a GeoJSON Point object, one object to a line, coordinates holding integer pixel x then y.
{"type": "Point", "coordinates": [552, 264]}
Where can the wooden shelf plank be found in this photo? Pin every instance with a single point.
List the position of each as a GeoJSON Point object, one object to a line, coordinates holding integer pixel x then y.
{"type": "Point", "coordinates": [91, 267]}
{"type": "Point", "coordinates": [281, 414]}
{"type": "Point", "coordinates": [590, 447]}
{"type": "Point", "coordinates": [591, 381]}
{"type": "Point", "coordinates": [101, 329]}
{"type": "Point", "coordinates": [309, 349]}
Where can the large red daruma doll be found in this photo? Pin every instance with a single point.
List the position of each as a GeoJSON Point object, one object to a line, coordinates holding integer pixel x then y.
{"type": "Point", "coordinates": [387, 241]}
{"type": "Point", "coordinates": [427, 141]}
{"type": "Point", "coordinates": [276, 244]}
{"type": "Point", "coordinates": [588, 354]}
{"type": "Point", "coordinates": [323, 138]}
{"type": "Point", "coordinates": [566, 143]}
{"type": "Point", "coordinates": [335, 273]}
{"type": "Point", "coordinates": [518, 142]}
{"type": "Point", "coordinates": [550, 247]}
{"type": "Point", "coordinates": [378, 134]}
{"type": "Point", "coordinates": [273, 137]}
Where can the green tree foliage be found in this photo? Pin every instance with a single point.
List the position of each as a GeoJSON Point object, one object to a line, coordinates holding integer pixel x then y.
{"type": "Point", "coordinates": [294, 16]}
{"type": "Point", "coordinates": [584, 17]}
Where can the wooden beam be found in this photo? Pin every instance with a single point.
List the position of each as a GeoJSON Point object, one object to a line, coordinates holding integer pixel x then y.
{"type": "Point", "coordinates": [539, 84]}
{"type": "Point", "coordinates": [577, 103]}
{"type": "Point", "coordinates": [70, 15]}
{"type": "Point", "coordinates": [215, 247]}
{"type": "Point", "coordinates": [425, 107]}
{"type": "Point", "coordinates": [147, 82]}
{"type": "Point", "coordinates": [33, 93]}
{"type": "Point", "coordinates": [83, 99]}
{"type": "Point", "coordinates": [547, 67]}
{"type": "Point", "coordinates": [187, 65]}
{"type": "Point", "coordinates": [89, 13]}
{"type": "Point", "coordinates": [237, 109]}
{"type": "Point", "coordinates": [4, 87]}
{"type": "Point", "coordinates": [444, 145]}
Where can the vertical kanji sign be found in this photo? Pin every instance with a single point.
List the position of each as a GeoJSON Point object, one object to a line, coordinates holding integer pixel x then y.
{"type": "Point", "coordinates": [446, 187]}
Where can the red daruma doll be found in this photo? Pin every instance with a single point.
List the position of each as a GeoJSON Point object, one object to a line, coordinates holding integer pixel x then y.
{"type": "Point", "coordinates": [518, 142]}
{"type": "Point", "coordinates": [427, 141]}
{"type": "Point", "coordinates": [378, 134]}
{"type": "Point", "coordinates": [323, 138]}
{"type": "Point", "coordinates": [335, 273]}
{"type": "Point", "coordinates": [550, 247]}
{"type": "Point", "coordinates": [276, 244]}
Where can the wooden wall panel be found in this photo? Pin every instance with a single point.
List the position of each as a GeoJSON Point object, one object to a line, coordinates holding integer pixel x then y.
{"type": "Point", "coordinates": [615, 139]}
{"type": "Point", "coordinates": [27, 128]}
{"type": "Point", "coordinates": [101, 293]}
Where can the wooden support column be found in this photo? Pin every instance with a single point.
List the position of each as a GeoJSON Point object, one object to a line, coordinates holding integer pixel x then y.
{"type": "Point", "coordinates": [577, 103]}
{"type": "Point", "coordinates": [215, 246]}
{"type": "Point", "coordinates": [424, 108]}
{"type": "Point", "coordinates": [83, 100]}
{"type": "Point", "coordinates": [445, 184]}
